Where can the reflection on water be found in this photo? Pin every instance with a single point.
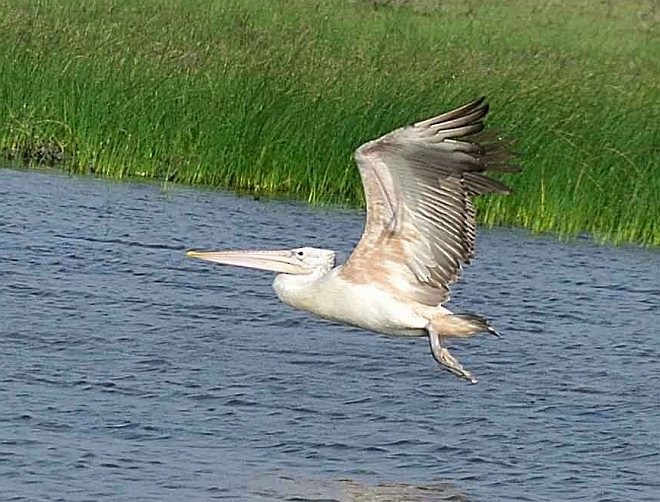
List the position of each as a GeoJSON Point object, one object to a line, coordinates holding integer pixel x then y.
{"type": "Point", "coordinates": [281, 486]}
{"type": "Point", "coordinates": [397, 492]}
{"type": "Point", "coordinates": [131, 373]}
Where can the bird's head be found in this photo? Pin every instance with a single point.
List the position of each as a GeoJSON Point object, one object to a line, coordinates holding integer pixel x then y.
{"type": "Point", "coordinates": [296, 261]}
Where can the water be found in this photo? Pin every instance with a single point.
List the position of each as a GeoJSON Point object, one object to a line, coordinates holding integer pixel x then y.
{"type": "Point", "coordinates": [128, 372]}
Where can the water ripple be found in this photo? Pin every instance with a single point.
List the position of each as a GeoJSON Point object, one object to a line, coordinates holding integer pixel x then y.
{"type": "Point", "coordinates": [131, 373]}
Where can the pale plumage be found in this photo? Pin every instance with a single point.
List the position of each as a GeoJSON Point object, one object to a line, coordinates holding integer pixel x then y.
{"type": "Point", "coordinates": [420, 229]}
{"type": "Point", "coordinates": [418, 181]}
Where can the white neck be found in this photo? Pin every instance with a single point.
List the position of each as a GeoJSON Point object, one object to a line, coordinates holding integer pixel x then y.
{"type": "Point", "coordinates": [299, 291]}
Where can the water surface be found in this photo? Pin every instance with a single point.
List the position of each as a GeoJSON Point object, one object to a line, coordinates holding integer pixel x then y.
{"type": "Point", "coordinates": [129, 372]}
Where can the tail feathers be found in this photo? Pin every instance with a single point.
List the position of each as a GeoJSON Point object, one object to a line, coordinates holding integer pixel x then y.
{"type": "Point", "coordinates": [475, 324]}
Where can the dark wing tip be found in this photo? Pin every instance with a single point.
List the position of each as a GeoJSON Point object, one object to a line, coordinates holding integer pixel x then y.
{"type": "Point", "coordinates": [475, 109]}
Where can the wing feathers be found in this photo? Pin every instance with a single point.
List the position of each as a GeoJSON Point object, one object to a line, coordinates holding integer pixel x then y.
{"type": "Point", "coordinates": [418, 183]}
{"type": "Point", "coordinates": [453, 114]}
{"type": "Point", "coordinates": [470, 118]}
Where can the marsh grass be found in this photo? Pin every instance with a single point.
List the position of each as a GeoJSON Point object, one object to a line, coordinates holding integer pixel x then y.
{"type": "Point", "coordinates": [272, 97]}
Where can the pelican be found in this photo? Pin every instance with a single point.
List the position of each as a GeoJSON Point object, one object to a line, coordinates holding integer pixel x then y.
{"type": "Point", "coordinates": [418, 182]}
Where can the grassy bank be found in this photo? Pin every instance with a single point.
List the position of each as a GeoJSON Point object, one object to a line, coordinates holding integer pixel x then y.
{"type": "Point", "coordinates": [275, 95]}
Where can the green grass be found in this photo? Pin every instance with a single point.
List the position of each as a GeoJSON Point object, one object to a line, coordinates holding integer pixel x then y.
{"type": "Point", "coordinates": [273, 96]}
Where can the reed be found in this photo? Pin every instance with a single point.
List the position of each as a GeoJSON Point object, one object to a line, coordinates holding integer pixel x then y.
{"type": "Point", "coordinates": [274, 96]}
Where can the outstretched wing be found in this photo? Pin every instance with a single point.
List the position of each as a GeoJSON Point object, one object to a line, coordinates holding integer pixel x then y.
{"type": "Point", "coordinates": [418, 182]}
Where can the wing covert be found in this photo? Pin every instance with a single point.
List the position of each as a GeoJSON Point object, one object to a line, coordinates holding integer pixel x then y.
{"type": "Point", "coordinates": [418, 182]}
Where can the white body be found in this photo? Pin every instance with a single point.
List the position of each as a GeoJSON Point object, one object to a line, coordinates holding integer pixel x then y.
{"type": "Point", "coordinates": [330, 296]}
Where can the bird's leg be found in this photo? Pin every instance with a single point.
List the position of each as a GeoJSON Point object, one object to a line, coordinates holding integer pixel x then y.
{"type": "Point", "coordinates": [445, 358]}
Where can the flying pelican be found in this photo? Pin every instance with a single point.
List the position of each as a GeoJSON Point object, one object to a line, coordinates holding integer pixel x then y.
{"type": "Point", "coordinates": [420, 228]}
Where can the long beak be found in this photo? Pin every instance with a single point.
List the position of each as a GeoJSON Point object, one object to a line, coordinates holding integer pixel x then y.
{"type": "Point", "coordinates": [276, 261]}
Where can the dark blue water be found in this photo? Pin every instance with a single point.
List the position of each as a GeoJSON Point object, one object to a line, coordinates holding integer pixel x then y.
{"type": "Point", "coordinates": [128, 372]}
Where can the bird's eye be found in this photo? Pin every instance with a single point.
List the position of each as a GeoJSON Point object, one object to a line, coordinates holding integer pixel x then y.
{"type": "Point", "coordinates": [300, 254]}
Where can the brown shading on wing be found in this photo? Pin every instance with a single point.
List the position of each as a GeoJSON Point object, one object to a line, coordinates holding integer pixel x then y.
{"type": "Point", "coordinates": [418, 182]}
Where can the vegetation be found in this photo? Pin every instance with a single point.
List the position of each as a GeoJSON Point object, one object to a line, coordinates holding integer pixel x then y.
{"type": "Point", "coordinates": [274, 96]}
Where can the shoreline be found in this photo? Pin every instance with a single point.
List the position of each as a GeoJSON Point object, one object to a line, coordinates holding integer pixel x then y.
{"type": "Point", "coordinates": [238, 96]}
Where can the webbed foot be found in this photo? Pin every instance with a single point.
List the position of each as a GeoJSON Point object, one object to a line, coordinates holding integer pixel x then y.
{"type": "Point", "coordinates": [445, 359]}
